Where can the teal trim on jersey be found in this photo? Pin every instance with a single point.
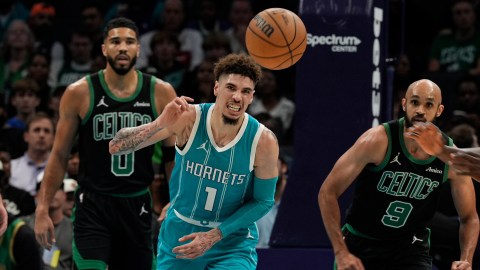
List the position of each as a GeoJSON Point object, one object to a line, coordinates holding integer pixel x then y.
{"type": "Point", "coordinates": [101, 76]}
{"type": "Point", "coordinates": [152, 96]}
{"type": "Point", "coordinates": [92, 99]}
{"type": "Point", "coordinates": [401, 124]}
{"type": "Point", "coordinates": [384, 163]}
{"type": "Point", "coordinates": [129, 195]}
{"type": "Point", "coordinates": [356, 232]}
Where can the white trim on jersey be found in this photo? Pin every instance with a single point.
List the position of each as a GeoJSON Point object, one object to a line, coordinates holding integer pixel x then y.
{"type": "Point", "coordinates": [234, 141]}
{"type": "Point", "coordinates": [192, 133]}
{"type": "Point", "coordinates": [254, 145]}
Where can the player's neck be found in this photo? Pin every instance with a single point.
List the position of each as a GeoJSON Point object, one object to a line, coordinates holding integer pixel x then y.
{"type": "Point", "coordinates": [121, 83]}
{"type": "Point", "coordinates": [224, 133]}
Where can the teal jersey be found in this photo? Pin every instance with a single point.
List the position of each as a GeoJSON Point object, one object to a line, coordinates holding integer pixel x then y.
{"type": "Point", "coordinates": [209, 182]}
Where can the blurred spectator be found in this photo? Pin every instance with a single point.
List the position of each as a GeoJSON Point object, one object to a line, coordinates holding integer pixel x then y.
{"type": "Point", "coordinates": [458, 49]}
{"type": "Point", "coordinates": [268, 98]}
{"type": "Point", "coordinates": [69, 187]}
{"type": "Point", "coordinates": [240, 15]}
{"type": "Point", "coordinates": [39, 71]}
{"type": "Point", "coordinates": [466, 105]}
{"type": "Point", "coordinates": [163, 62]}
{"type": "Point", "coordinates": [25, 100]}
{"type": "Point", "coordinates": [18, 202]}
{"type": "Point", "coordinates": [27, 170]}
{"type": "Point", "coordinates": [16, 50]}
{"type": "Point", "coordinates": [201, 83]}
{"type": "Point", "coordinates": [54, 103]}
{"type": "Point", "coordinates": [79, 61]}
{"type": "Point", "coordinates": [42, 21]}
{"type": "Point", "coordinates": [11, 10]}
{"type": "Point", "coordinates": [266, 223]}
{"type": "Point", "coordinates": [173, 20]}
{"type": "Point", "coordinates": [18, 247]}
{"type": "Point", "coordinates": [215, 46]}
{"type": "Point", "coordinates": [207, 19]}
{"type": "Point", "coordinates": [272, 123]}
{"type": "Point", "coordinates": [92, 21]}
{"type": "Point", "coordinates": [59, 257]}
{"type": "Point", "coordinates": [402, 79]}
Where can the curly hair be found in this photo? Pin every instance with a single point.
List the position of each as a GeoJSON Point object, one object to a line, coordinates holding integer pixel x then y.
{"type": "Point", "coordinates": [240, 64]}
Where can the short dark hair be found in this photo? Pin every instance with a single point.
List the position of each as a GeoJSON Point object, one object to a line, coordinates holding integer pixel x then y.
{"type": "Point", "coordinates": [25, 85]}
{"type": "Point", "coordinates": [118, 23]}
{"type": "Point", "coordinates": [37, 117]}
{"type": "Point", "coordinates": [240, 64]}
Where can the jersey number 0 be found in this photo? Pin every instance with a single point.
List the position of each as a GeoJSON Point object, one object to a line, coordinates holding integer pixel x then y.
{"type": "Point", "coordinates": [122, 165]}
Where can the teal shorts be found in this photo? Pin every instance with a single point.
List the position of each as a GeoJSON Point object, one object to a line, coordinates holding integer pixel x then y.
{"type": "Point", "coordinates": [236, 251]}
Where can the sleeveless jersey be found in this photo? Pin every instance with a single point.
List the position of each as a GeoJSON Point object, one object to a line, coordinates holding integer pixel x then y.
{"type": "Point", "coordinates": [209, 182]}
{"type": "Point", "coordinates": [115, 174]}
{"type": "Point", "coordinates": [398, 197]}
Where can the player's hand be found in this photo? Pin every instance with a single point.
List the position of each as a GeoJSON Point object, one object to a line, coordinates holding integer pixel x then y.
{"type": "Point", "coordinates": [461, 265]}
{"type": "Point", "coordinates": [174, 109]}
{"type": "Point", "coordinates": [348, 261]}
{"type": "Point", "coordinates": [427, 136]}
{"type": "Point", "coordinates": [44, 232]}
{"type": "Point", "coordinates": [3, 217]}
{"type": "Point", "coordinates": [201, 243]}
{"type": "Point", "coordinates": [163, 214]}
{"type": "Point", "coordinates": [465, 162]}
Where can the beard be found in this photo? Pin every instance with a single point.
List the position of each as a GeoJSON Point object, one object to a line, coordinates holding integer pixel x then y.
{"type": "Point", "coordinates": [121, 70]}
{"type": "Point", "coordinates": [229, 121]}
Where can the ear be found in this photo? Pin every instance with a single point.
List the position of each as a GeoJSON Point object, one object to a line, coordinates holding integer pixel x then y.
{"type": "Point", "coordinates": [404, 103]}
{"type": "Point", "coordinates": [440, 110]}
{"type": "Point", "coordinates": [138, 50]}
{"type": "Point", "coordinates": [104, 50]}
{"type": "Point", "coordinates": [215, 88]}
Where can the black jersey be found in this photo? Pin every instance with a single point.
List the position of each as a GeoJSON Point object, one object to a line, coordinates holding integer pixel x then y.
{"type": "Point", "coordinates": [399, 196]}
{"type": "Point", "coordinates": [115, 174]}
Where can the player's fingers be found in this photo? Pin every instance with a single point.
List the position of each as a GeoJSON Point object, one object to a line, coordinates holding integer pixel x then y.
{"type": "Point", "coordinates": [187, 237]}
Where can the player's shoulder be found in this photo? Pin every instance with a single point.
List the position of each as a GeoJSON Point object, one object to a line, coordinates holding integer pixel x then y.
{"type": "Point", "coordinates": [78, 88]}
{"type": "Point", "coordinates": [164, 89]}
{"type": "Point", "coordinates": [374, 136]}
{"type": "Point", "coordinates": [268, 140]}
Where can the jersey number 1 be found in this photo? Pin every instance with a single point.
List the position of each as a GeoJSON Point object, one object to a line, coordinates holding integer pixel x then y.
{"type": "Point", "coordinates": [122, 165]}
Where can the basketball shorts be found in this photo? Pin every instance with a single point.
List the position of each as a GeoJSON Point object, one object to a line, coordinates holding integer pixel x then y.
{"type": "Point", "coordinates": [113, 232]}
{"type": "Point", "coordinates": [410, 252]}
{"type": "Point", "coordinates": [234, 252]}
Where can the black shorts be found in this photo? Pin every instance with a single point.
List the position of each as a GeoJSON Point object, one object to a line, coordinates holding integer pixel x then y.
{"type": "Point", "coordinates": [112, 231]}
{"type": "Point", "coordinates": [410, 252]}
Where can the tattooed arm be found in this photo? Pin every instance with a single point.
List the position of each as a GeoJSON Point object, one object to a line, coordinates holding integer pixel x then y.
{"type": "Point", "coordinates": [131, 139]}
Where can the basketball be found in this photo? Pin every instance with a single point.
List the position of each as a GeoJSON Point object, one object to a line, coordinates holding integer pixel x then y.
{"type": "Point", "coordinates": [276, 38]}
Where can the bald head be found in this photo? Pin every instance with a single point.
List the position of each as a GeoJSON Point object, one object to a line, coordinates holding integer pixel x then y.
{"type": "Point", "coordinates": [426, 88]}
{"type": "Point", "coordinates": [422, 102]}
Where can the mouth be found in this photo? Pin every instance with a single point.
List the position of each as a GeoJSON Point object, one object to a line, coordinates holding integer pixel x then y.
{"type": "Point", "coordinates": [419, 119]}
{"type": "Point", "coordinates": [122, 59]}
{"type": "Point", "coordinates": [234, 108]}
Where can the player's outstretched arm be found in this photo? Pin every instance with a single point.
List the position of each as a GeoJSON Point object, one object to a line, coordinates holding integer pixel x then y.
{"type": "Point", "coordinates": [131, 139]}
{"type": "Point", "coordinates": [369, 148]}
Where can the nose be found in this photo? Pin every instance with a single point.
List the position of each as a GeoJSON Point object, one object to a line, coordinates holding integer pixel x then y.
{"type": "Point", "coordinates": [237, 96]}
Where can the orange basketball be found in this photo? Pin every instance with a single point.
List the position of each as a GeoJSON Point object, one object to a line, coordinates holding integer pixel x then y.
{"type": "Point", "coordinates": [276, 38]}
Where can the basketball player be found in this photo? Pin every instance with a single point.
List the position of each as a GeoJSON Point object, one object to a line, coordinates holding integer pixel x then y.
{"type": "Point", "coordinates": [464, 161]}
{"type": "Point", "coordinates": [112, 214]}
{"type": "Point", "coordinates": [396, 194]}
{"type": "Point", "coordinates": [224, 176]}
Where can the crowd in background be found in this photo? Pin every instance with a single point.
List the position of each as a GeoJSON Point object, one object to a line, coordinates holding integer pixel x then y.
{"type": "Point", "coordinates": [45, 46]}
